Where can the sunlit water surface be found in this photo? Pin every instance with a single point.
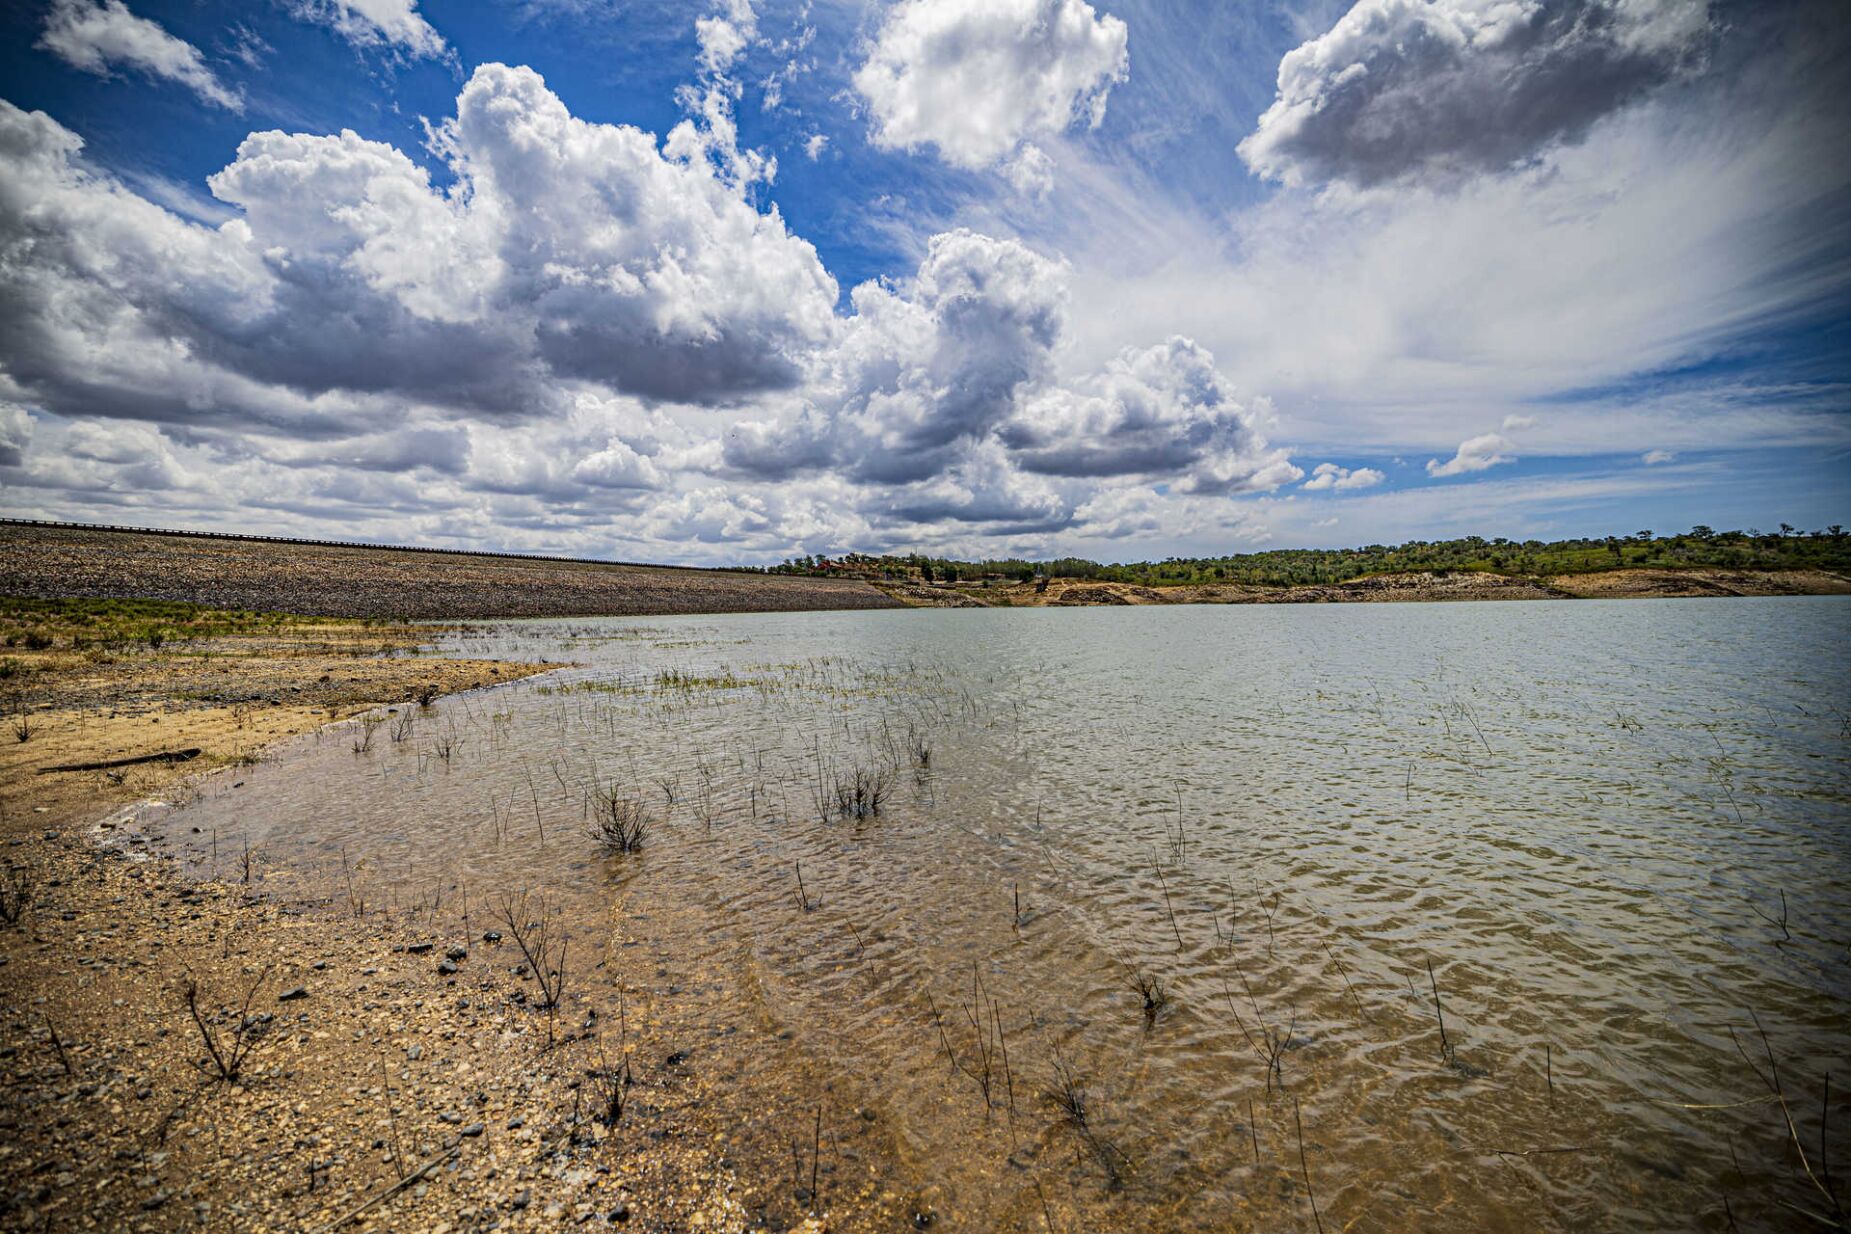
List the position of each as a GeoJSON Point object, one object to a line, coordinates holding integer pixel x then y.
{"type": "Point", "coordinates": [1584, 816]}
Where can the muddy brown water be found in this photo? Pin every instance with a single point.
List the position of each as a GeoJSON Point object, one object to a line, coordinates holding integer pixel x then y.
{"type": "Point", "coordinates": [1583, 815]}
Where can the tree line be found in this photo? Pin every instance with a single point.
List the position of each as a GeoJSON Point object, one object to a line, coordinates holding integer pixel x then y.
{"type": "Point", "coordinates": [1785, 548]}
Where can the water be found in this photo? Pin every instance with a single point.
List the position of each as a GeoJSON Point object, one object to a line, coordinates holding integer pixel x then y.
{"type": "Point", "coordinates": [1584, 816]}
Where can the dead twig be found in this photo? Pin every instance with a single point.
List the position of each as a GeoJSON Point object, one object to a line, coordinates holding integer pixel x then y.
{"type": "Point", "coordinates": [227, 1052]}
{"type": "Point", "coordinates": [1305, 1167]}
{"type": "Point", "coordinates": [416, 1176]}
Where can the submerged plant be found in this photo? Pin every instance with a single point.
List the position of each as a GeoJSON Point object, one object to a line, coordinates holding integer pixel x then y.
{"type": "Point", "coordinates": [621, 822]}
{"type": "Point", "coordinates": [1067, 1094]}
{"type": "Point", "coordinates": [1153, 990]}
{"type": "Point", "coordinates": [368, 723]}
{"type": "Point", "coordinates": [1073, 1104]}
{"type": "Point", "coordinates": [860, 793]}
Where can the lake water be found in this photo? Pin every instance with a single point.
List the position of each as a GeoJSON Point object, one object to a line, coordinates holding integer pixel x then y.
{"type": "Point", "coordinates": [1605, 835]}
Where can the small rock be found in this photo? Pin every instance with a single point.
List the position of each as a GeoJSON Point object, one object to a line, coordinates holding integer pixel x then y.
{"type": "Point", "coordinates": [522, 1200]}
{"type": "Point", "coordinates": [415, 1053]}
{"type": "Point", "coordinates": [458, 953]}
{"type": "Point", "coordinates": [292, 994]}
{"type": "Point", "coordinates": [491, 936]}
{"type": "Point", "coordinates": [446, 968]}
{"type": "Point", "coordinates": [618, 1215]}
{"type": "Point", "coordinates": [417, 948]}
{"type": "Point", "coordinates": [473, 1130]}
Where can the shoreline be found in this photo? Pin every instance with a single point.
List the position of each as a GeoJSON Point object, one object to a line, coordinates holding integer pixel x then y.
{"type": "Point", "coordinates": [402, 1078]}
{"type": "Point", "coordinates": [357, 582]}
{"type": "Point", "coordinates": [1422, 587]}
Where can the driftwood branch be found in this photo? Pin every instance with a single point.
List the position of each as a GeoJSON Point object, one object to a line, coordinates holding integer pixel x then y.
{"type": "Point", "coordinates": [165, 756]}
{"type": "Point", "coordinates": [411, 1179]}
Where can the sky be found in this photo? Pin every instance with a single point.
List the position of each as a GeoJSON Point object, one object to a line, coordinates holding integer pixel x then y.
{"type": "Point", "coordinates": [725, 282]}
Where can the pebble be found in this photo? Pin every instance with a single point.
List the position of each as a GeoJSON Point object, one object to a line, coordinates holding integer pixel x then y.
{"type": "Point", "coordinates": [472, 1131]}
{"type": "Point", "coordinates": [292, 994]}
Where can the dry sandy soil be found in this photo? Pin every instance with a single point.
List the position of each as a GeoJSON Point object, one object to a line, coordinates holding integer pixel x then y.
{"type": "Point", "coordinates": [367, 582]}
{"type": "Point", "coordinates": [1630, 584]}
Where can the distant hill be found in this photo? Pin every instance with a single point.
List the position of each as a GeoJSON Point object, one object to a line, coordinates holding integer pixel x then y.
{"type": "Point", "coordinates": [342, 580]}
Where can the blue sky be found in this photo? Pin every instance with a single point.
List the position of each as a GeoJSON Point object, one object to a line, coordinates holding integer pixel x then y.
{"type": "Point", "coordinates": [722, 282]}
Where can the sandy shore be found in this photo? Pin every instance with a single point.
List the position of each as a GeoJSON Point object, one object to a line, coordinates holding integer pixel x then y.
{"type": "Point", "coordinates": [402, 1076]}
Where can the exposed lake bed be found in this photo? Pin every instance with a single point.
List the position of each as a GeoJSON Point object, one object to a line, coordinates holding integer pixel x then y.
{"type": "Point", "coordinates": [1145, 895]}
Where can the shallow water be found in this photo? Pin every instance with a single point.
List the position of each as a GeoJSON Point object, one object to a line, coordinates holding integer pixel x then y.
{"type": "Point", "coordinates": [1583, 815]}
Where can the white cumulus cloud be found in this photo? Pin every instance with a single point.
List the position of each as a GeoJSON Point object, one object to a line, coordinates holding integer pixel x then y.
{"type": "Point", "coordinates": [1342, 479]}
{"type": "Point", "coordinates": [1403, 89]}
{"type": "Point", "coordinates": [976, 79]}
{"type": "Point", "coordinates": [922, 371]}
{"type": "Point", "coordinates": [1475, 454]}
{"type": "Point", "coordinates": [566, 252]}
{"type": "Point", "coordinates": [1155, 411]}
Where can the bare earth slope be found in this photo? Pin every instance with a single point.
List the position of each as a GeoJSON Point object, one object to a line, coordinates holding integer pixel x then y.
{"type": "Point", "coordinates": [1630, 584]}
{"type": "Point", "coordinates": [339, 581]}
{"type": "Point", "coordinates": [1389, 588]}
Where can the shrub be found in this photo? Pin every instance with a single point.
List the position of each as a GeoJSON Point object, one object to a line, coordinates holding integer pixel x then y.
{"type": "Point", "coordinates": [621, 823]}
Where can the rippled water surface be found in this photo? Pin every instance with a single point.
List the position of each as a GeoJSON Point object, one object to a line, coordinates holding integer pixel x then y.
{"type": "Point", "coordinates": [1598, 841]}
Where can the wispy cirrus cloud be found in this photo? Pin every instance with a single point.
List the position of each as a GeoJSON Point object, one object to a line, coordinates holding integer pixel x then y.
{"type": "Point", "coordinates": [395, 25]}
{"type": "Point", "coordinates": [100, 35]}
